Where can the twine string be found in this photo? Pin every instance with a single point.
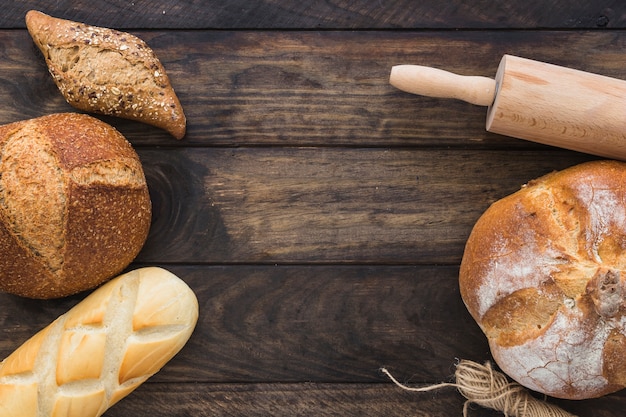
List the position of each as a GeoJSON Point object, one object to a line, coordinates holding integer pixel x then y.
{"type": "Point", "coordinates": [483, 386]}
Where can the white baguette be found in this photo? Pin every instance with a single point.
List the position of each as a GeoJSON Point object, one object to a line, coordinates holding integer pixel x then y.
{"type": "Point", "coordinates": [100, 350]}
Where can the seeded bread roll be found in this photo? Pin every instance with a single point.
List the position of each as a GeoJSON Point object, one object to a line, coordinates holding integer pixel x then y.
{"type": "Point", "coordinates": [105, 71]}
{"type": "Point", "coordinates": [74, 205]}
{"type": "Point", "coordinates": [543, 276]}
{"type": "Point", "coordinates": [102, 349]}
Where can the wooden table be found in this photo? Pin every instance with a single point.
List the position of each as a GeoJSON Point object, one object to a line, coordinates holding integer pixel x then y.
{"type": "Point", "coordinates": [319, 214]}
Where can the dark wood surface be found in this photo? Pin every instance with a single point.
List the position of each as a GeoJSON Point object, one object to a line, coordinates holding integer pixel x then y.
{"type": "Point", "coordinates": [318, 213]}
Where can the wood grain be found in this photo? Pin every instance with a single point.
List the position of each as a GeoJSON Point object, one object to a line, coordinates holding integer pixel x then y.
{"type": "Point", "coordinates": [324, 399]}
{"type": "Point", "coordinates": [560, 107]}
{"type": "Point", "coordinates": [314, 88]}
{"type": "Point", "coordinates": [289, 400]}
{"type": "Point", "coordinates": [303, 323]}
{"type": "Point", "coordinates": [317, 399]}
{"type": "Point", "coordinates": [318, 213]}
{"type": "Point", "coordinates": [320, 205]}
{"type": "Point", "coordinates": [334, 14]}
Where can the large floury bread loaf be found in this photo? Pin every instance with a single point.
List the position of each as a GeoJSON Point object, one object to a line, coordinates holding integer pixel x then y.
{"type": "Point", "coordinates": [543, 275]}
{"type": "Point", "coordinates": [108, 72]}
{"type": "Point", "coordinates": [100, 350]}
{"type": "Point", "coordinates": [74, 205]}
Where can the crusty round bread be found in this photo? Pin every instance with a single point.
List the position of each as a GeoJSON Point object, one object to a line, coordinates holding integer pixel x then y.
{"type": "Point", "coordinates": [542, 276]}
{"type": "Point", "coordinates": [74, 205]}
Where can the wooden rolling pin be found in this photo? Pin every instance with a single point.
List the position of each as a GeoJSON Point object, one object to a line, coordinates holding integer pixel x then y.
{"type": "Point", "coordinates": [535, 101]}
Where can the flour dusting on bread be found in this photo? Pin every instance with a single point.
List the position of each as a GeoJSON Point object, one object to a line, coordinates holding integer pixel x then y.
{"type": "Point", "coordinates": [567, 349]}
{"type": "Point", "coordinates": [544, 275]}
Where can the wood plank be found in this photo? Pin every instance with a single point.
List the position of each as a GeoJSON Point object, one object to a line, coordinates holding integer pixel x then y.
{"type": "Point", "coordinates": [319, 214]}
{"type": "Point", "coordinates": [321, 205]}
{"type": "Point", "coordinates": [323, 399]}
{"type": "Point", "coordinates": [314, 88]}
{"type": "Point", "coordinates": [303, 323]}
{"type": "Point", "coordinates": [297, 341]}
{"type": "Point", "coordinates": [291, 400]}
{"type": "Point", "coordinates": [337, 14]}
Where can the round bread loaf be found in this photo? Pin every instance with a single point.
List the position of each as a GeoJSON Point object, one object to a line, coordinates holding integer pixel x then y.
{"type": "Point", "coordinates": [543, 276]}
{"type": "Point", "coordinates": [74, 205]}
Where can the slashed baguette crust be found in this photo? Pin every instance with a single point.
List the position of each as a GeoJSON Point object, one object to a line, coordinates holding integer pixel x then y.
{"type": "Point", "coordinates": [102, 349]}
{"type": "Point", "coordinates": [106, 71]}
{"type": "Point", "coordinates": [544, 275]}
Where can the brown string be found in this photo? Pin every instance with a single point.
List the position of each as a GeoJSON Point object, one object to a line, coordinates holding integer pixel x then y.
{"type": "Point", "coordinates": [482, 385]}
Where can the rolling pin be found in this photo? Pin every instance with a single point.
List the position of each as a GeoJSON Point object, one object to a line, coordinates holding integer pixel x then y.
{"type": "Point", "coordinates": [536, 101]}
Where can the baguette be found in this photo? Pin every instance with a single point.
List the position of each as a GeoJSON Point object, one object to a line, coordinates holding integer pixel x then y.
{"type": "Point", "coordinates": [102, 349]}
{"type": "Point", "coordinates": [106, 71]}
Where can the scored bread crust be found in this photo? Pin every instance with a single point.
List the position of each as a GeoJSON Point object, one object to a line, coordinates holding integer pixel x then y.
{"type": "Point", "coordinates": [102, 349]}
{"type": "Point", "coordinates": [543, 276]}
{"type": "Point", "coordinates": [74, 205]}
{"type": "Point", "coordinates": [108, 72]}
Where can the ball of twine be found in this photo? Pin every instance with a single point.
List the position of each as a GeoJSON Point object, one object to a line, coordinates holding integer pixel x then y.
{"type": "Point", "coordinates": [482, 385]}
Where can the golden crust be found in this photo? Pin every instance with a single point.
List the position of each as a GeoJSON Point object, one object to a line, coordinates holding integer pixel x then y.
{"type": "Point", "coordinates": [543, 275]}
{"type": "Point", "coordinates": [91, 357]}
{"type": "Point", "coordinates": [108, 72]}
{"type": "Point", "coordinates": [89, 227]}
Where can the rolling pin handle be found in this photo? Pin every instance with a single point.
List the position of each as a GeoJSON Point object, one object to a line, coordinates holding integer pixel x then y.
{"type": "Point", "coordinates": [433, 82]}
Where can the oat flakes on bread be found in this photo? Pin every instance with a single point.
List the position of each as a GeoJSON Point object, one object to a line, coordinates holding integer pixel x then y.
{"type": "Point", "coordinates": [74, 205]}
{"type": "Point", "coordinates": [544, 275]}
{"type": "Point", "coordinates": [108, 72]}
